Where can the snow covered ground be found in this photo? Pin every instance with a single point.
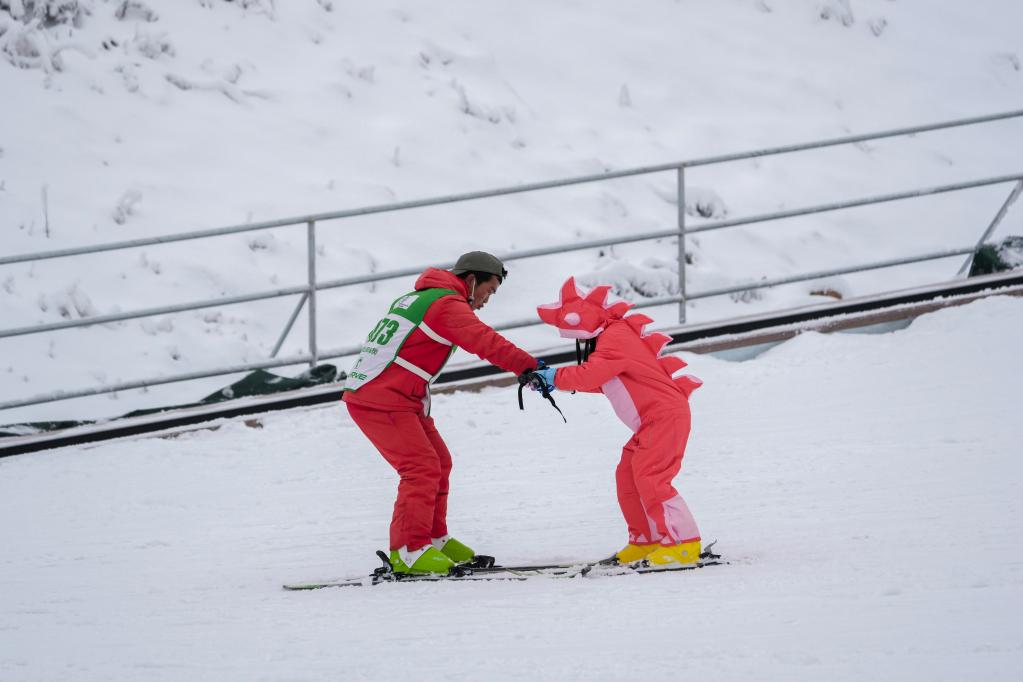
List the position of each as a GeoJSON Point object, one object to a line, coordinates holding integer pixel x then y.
{"type": "Point", "coordinates": [134, 118]}
{"type": "Point", "coordinates": [864, 488]}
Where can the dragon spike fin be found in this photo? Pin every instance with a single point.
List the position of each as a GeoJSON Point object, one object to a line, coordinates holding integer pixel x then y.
{"type": "Point", "coordinates": [688, 383]}
{"type": "Point", "coordinates": [618, 310]}
{"type": "Point", "coordinates": [637, 321]}
{"type": "Point", "coordinates": [656, 341]}
{"type": "Point", "coordinates": [672, 364]}
{"type": "Point", "coordinates": [569, 292]}
{"type": "Point", "coordinates": [548, 314]}
{"type": "Point", "coordinates": [598, 295]}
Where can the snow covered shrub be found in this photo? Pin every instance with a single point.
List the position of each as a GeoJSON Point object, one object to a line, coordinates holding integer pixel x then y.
{"type": "Point", "coordinates": [30, 41]}
{"type": "Point", "coordinates": [991, 258]}
{"type": "Point", "coordinates": [262, 242]}
{"type": "Point", "coordinates": [267, 7]}
{"type": "Point", "coordinates": [700, 201]}
{"type": "Point", "coordinates": [152, 46]}
{"type": "Point", "coordinates": [135, 10]}
{"type": "Point", "coordinates": [126, 206]}
{"type": "Point", "coordinates": [837, 10]}
{"type": "Point", "coordinates": [653, 278]}
{"type": "Point", "coordinates": [747, 296]}
{"type": "Point", "coordinates": [705, 203]}
{"type": "Point", "coordinates": [69, 303]}
{"type": "Point", "coordinates": [490, 114]}
{"type": "Point", "coordinates": [48, 13]}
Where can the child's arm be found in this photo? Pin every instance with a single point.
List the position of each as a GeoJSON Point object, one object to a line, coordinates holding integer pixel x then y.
{"type": "Point", "coordinates": [602, 366]}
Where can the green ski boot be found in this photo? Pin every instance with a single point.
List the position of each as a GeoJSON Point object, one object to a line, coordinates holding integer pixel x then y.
{"type": "Point", "coordinates": [426, 560]}
{"type": "Point", "coordinates": [454, 550]}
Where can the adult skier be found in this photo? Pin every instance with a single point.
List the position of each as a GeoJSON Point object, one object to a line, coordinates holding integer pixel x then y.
{"type": "Point", "coordinates": [648, 393]}
{"type": "Point", "coordinates": [387, 393]}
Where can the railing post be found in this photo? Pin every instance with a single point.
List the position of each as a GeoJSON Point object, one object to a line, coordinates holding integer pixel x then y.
{"type": "Point", "coordinates": [1013, 195]}
{"type": "Point", "coordinates": [287, 327]}
{"type": "Point", "coordinates": [682, 244]}
{"type": "Point", "coordinates": [311, 242]}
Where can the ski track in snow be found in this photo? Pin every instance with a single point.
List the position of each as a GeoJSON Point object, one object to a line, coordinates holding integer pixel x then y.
{"type": "Point", "coordinates": [864, 488]}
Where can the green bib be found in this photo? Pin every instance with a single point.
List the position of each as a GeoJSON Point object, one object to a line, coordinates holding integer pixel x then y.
{"type": "Point", "coordinates": [389, 336]}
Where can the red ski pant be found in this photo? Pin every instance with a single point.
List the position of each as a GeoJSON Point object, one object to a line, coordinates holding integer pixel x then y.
{"type": "Point", "coordinates": [410, 443]}
{"type": "Point", "coordinates": [652, 507]}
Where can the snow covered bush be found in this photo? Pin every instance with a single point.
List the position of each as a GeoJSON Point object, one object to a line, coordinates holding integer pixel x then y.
{"type": "Point", "coordinates": [48, 13]}
{"type": "Point", "coordinates": [653, 278]}
{"type": "Point", "coordinates": [134, 10]}
{"type": "Point", "coordinates": [747, 296]}
{"type": "Point", "coordinates": [991, 258]}
{"type": "Point", "coordinates": [267, 7]}
{"type": "Point", "coordinates": [126, 206]}
{"type": "Point", "coordinates": [700, 201]}
{"type": "Point", "coordinates": [28, 35]}
{"type": "Point", "coordinates": [837, 10]}
{"type": "Point", "coordinates": [152, 46]}
{"type": "Point", "coordinates": [70, 303]}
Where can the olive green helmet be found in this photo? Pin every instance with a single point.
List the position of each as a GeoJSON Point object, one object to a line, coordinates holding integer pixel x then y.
{"type": "Point", "coordinates": [480, 261]}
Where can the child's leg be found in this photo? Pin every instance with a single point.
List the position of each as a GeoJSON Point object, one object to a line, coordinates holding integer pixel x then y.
{"type": "Point", "coordinates": [642, 531]}
{"type": "Point", "coordinates": [657, 459]}
{"type": "Point", "coordinates": [402, 440]}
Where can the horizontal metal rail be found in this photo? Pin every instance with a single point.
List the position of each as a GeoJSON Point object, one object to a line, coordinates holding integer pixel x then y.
{"type": "Point", "coordinates": [854, 203]}
{"type": "Point", "coordinates": [156, 381]}
{"type": "Point", "coordinates": [767, 283]}
{"type": "Point", "coordinates": [527, 322]}
{"type": "Point", "coordinates": [792, 279]}
{"type": "Point", "coordinates": [853, 139]}
{"type": "Point", "coordinates": [527, 253]}
{"type": "Point", "coordinates": [504, 191]}
{"type": "Point", "coordinates": [150, 312]}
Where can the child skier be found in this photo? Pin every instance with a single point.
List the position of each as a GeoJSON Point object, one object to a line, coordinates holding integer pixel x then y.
{"type": "Point", "coordinates": [651, 396]}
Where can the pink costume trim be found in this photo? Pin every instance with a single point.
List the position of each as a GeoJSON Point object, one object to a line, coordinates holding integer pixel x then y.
{"type": "Point", "coordinates": [622, 403]}
{"type": "Point", "coordinates": [679, 521]}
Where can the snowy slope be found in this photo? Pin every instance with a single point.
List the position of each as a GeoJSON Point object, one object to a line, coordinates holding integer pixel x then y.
{"type": "Point", "coordinates": [148, 117]}
{"type": "Point", "coordinates": [864, 488]}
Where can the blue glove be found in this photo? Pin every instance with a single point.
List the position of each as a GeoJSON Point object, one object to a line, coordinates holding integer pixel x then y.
{"type": "Point", "coordinates": [547, 374]}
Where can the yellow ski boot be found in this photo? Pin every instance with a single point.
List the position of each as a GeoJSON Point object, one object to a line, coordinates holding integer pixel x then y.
{"type": "Point", "coordinates": [682, 553]}
{"type": "Point", "coordinates": [632, 553]}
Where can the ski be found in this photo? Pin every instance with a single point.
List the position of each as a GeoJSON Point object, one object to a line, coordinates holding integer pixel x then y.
{"type": "Point", "coordinates": [508, 573]}
{"type": "Point", "coordinates": [484, 569]}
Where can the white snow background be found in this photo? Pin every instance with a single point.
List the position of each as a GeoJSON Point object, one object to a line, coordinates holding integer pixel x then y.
{"type": "Point", "coordinates": [864, 487]}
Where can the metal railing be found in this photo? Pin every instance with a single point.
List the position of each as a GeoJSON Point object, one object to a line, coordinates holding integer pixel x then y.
{"type": "Point", "coordinates": [307, 292]}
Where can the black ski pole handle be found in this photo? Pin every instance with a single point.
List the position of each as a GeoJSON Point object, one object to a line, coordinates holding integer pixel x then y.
{"type": "Point", "coordinates": [529, 377]}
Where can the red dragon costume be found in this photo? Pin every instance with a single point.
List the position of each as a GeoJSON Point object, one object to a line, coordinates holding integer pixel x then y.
{"type": "Point", "coordinates": [651, 395]}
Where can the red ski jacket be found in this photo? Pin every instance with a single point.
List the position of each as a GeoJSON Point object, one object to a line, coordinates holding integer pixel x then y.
{"type": "Point", "coordinates": [399, 390]}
